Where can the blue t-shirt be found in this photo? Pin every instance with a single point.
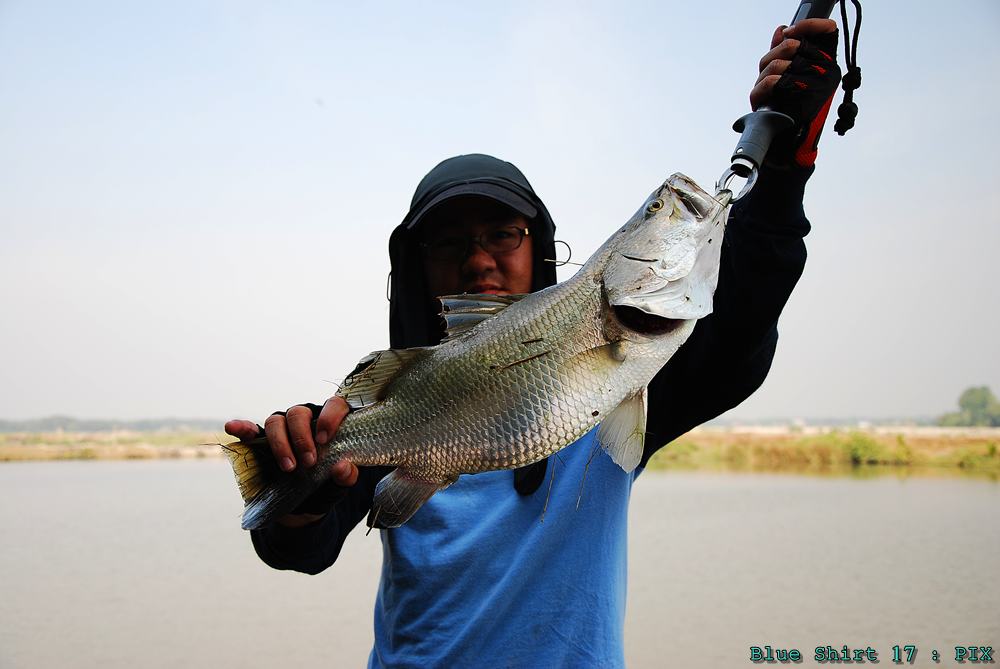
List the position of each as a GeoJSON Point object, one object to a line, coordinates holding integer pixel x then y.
{"type": "Point", "coordinates": [478, 579]}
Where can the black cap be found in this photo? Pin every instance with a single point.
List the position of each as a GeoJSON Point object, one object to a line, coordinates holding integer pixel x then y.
{"type": "Point", "coordinates": [413, 317]}
{"type": "Point", "coordinates": [472, 174]}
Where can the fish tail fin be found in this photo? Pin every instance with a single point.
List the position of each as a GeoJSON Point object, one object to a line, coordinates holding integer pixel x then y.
{"type": "Point", "coordinates": [269, 493]}
{"type": "Point", "coordinates": [252, 471]}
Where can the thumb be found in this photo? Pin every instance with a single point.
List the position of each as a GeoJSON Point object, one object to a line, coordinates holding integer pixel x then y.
{"type": "Point", "coordinates": [244, 430]}
{"type": "Point", "coordinates": [344, 474]}
{"type": "Point", "coordinates": [332, 415]}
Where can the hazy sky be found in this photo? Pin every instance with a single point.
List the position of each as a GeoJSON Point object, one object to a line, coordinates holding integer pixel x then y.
{"type": "Point", "coordinates": [195, 197]}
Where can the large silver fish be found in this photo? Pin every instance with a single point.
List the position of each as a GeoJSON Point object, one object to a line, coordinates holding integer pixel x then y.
{"type": "Point", "coordinates": [519, 377]}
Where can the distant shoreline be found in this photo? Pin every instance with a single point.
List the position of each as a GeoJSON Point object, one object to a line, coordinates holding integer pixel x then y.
{"type": "Point", "coordinates": [817, 450]}
{"type": "Point", "coordinates": [809, 450]}
{"type": "Point", "coordinates": [110, 445]}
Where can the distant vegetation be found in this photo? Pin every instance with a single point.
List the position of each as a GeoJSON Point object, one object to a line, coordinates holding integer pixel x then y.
{"type": "Point", "coordinates": [831, 452]}
{"type": "Point", "coordinates": [977, 407]}
{"type": "Point", "coordinates": [70, 424]}
{"type": "Point", "coordinates": [109, 445]}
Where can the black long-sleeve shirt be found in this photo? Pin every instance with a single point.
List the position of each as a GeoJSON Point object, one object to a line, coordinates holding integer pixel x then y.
{"type": "Point", "coordinates": [725, 360]}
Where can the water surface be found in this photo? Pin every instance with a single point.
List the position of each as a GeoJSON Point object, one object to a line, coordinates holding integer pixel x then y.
{"type": "Point", "coordinates": [124, 564]}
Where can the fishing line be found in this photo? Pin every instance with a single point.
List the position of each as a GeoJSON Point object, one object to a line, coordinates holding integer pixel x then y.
{"type": "Point", "coordinates": [586, 469]}
{"type": "Point", "coordinates": [569, 250]}
{"type": "Point", "coordinates": [340, 386]}
{"type": "Point", "coordinates": [552, 478]}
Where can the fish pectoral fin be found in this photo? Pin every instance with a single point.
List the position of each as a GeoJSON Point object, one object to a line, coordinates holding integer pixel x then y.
{"type": "Point", "coordinates": [367, 383]}
{"type": "Point", "coordinates": [399, 495]}
{"type": "Point", "coordinates": [464, 312]}
{"type": "Point", "coordinates": [623, 433]}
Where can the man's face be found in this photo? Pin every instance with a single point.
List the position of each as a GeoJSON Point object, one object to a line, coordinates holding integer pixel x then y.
{"type": "Point", "coordinates": [473, 269]}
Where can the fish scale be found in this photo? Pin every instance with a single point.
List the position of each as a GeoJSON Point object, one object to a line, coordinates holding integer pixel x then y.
{"type": "Point", "coordinates": [532, 376]}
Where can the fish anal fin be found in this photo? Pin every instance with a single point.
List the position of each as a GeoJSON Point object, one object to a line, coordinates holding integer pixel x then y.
{"type": "Point", "coordinates": [623, 432]}
{"type": "Point", "coordinates": [464, 312]}
{"type": "Point", "coordinates": [399, 495]}
{"type": "Point", "coordinates": [367, 383]}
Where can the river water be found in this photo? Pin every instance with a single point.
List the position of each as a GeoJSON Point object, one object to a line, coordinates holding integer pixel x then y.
{"type": "Point", "coordinates": [143, 564]}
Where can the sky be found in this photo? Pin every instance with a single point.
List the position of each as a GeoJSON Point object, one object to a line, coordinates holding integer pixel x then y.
{"type": "Point", "coordinates": [196, 197]}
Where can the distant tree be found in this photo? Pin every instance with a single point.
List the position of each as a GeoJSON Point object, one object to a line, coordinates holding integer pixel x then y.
{"type": "Point", "coordinates": [977, 406]}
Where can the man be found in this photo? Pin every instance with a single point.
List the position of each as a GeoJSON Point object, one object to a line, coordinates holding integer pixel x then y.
{"type": "Point", "coordinates": [474, 578]}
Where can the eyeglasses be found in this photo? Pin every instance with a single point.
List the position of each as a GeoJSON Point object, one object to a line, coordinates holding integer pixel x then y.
{"type": "Point", "coordinates": [495, 242]}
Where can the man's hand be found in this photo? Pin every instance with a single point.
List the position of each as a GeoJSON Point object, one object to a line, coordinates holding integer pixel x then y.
{"type": "Point", "coordinates": [292, 443]}
{"type": "Point", "coordinates": [799, 77]}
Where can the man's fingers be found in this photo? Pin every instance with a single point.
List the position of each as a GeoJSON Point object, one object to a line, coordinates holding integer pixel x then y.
{"type": "Point", "coordinates": [807, 27]}
{"type": "Point", "coordinates": [779, 34]}
{"type": "Point", "coordinates": [244, 430]}
{"type": "Point", "coordinates": [777, 67]}
{"type": "Point", "coordinates": [332, 415]}
{"type": "Point", "coordinates": [299, 421]}
{"type": "Point", "coordinates": [784, 51]}
{"type": "Point", "coordinates": [762, 92]}
{"type": "Point", "coordinates": [344, 474]}
{"type": "Point", "coordinates": [277, 438]}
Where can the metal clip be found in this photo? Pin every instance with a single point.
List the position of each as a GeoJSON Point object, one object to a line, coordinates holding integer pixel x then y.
{"type": "Point", "coordinates": [727, 177]}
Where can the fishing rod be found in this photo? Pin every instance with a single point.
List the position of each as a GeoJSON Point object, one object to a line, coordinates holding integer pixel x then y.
{"type": "Point", "coordinates": [759, 128]}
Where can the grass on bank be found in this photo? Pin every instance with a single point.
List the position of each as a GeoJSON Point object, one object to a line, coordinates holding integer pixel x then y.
{"type": "Point", "coordinates": [112, 445]}
{"type": "Point", "coordinates": [832, 451]}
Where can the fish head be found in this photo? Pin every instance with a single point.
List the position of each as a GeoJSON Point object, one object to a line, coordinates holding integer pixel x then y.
{"type": "Point", "coordinates": [663, 265]}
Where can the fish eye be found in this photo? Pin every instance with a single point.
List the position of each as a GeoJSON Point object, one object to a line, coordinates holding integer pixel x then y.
{"type": "Point", "coordinates": [654, 206]}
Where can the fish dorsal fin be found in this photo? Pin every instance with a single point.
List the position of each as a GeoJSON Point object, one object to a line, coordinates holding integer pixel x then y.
{"type": "Point", "coordinates": [623, 433]}
{"type": "Point", "coordinates": [367, 383]}
{"type": "Point", "coordinates": [464, 312]}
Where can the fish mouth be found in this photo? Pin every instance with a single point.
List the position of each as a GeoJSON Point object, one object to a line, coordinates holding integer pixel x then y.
{"type": "Point", "coordinates": [637, 320]}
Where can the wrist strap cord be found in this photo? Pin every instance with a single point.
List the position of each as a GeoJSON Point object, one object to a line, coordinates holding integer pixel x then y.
{"type": "Point", "coordinates": [847, 112]}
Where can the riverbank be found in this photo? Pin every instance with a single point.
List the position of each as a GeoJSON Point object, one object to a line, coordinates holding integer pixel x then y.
{"type": "Point", "coordinates": [110, 445]}
{"type": "Point", "coordinates": [805, 450]}
{"type": "Point", "coordinates": [834, 451]}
